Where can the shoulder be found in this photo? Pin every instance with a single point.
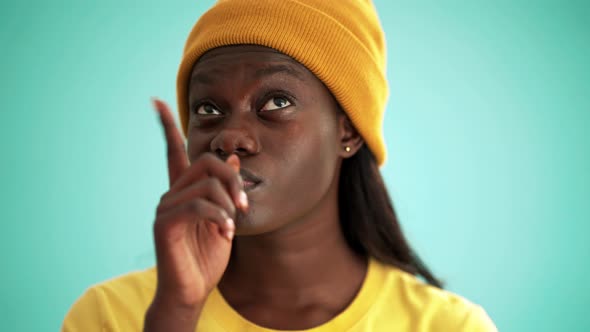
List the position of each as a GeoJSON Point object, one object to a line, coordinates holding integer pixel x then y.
{"type": "Point", "coordinates": [425, 307]}
{"type": "Point", "coordinates": [121, 301]}
{"type": "Point", "coordinates": [137, 284]}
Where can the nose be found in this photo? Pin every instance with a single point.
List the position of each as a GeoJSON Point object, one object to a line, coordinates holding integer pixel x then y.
{"type": "Point", "coordinates": [236, 136]}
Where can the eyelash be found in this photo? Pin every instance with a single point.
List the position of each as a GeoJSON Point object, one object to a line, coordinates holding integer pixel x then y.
{"type": "Point", "coordinates": [265, 99]}
{"type": "Point", "coordinates": [277, 94]}
{"type": "Point", "coordinates": [200, 103]}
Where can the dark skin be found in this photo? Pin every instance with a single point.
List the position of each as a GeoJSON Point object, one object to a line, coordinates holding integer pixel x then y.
{"type": "Point", "coordinates": [257, 109]}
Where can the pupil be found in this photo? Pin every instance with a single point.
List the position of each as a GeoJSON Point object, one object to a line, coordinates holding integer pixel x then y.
{"type": "Point", "coordinates": [280, 102]}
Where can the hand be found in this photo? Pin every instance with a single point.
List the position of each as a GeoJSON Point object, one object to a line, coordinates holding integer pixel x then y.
{"type": "Point", "coordinates": [194, 225]}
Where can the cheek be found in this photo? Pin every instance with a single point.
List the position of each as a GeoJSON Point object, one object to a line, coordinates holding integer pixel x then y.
{"type": "Point", "coordinates": [310, 157]}
{"type": "Point", "coordinates": [306, 162]}
{"type": "Point", "coordinates": [197, 144]}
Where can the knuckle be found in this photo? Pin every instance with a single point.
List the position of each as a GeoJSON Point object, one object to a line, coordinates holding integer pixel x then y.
{"type": "Point", "coordinates": [216, 183]}
{"type": "Point", "coordinates": [212, 184]}
{"type": "Point", "coordinates": [164, 197]}
{"type": "Point", "coordinates": [162, 204]}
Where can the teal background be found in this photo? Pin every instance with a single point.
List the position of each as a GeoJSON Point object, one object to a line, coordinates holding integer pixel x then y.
{"type": "Point", "coordinates": [487, 132]}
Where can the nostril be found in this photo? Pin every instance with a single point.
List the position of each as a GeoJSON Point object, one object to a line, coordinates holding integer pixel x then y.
{"type": "Point", "coordinates": [228, 141]}
{"type": "Point", "coordinates": [221, 154]}
{"type": "Point", "coordinates": [241, 150]}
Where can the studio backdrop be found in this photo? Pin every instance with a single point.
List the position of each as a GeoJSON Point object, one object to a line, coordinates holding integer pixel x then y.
{"type": "Point", "coordinates": [486, 129]}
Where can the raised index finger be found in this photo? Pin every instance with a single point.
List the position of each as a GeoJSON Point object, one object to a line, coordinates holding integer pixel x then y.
{"type": "Point", "coordinates": [177, 159]}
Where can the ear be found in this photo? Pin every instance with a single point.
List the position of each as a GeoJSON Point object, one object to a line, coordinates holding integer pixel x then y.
{"type": "Point", "coordinates": [350, 139]}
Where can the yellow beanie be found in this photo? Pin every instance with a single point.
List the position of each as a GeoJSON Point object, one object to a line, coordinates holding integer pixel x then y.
{"type": "Point", "coordinates": [341, 42]}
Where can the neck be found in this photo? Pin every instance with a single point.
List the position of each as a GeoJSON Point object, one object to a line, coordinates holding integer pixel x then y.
{"type": "Point", "coordinates": [308, 259]}
{"type": "Point", "coordinates": [288, 261]}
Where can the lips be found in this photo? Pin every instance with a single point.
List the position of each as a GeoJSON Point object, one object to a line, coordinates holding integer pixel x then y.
{"type": "Point", "coordinates": [251, 180]}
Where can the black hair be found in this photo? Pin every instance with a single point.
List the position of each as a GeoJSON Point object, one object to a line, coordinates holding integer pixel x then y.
{"type": "Point", "coordinates": [368, 219]}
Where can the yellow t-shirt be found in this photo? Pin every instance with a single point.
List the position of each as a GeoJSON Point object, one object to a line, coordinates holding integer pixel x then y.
{"type": "Point", "coordinates": [389, 300]}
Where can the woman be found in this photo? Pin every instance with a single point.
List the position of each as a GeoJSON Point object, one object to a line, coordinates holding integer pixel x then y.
{"type": "Point", "coordinates": [277, 218]}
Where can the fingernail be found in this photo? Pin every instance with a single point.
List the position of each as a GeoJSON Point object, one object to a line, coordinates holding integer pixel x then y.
{"type": "Point", "coordinates": [243, 199]}
{"type": "Point", "coordinates": [230, 223]}
{"type": "Point", "coordinates": [229, 235]}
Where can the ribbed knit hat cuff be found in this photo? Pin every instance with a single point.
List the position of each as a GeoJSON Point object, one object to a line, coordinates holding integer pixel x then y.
{"type": "Point", "coordinates": [314, 39]}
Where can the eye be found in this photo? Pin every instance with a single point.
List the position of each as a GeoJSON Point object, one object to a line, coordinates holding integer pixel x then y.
{"type": "Point", "coordinates": [276, 103]}
{"type": "Point", "coordinates": [207, 109]}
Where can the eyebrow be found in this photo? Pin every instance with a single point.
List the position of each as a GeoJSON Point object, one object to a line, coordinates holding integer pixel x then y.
{"type": "Point", "coordinates": [208, 76]}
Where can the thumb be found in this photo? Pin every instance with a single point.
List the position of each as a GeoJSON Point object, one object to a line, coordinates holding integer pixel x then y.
{"type": "Point", "coordinates": [234, 161]}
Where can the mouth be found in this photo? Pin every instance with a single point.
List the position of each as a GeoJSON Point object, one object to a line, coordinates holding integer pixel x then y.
{"type": "Point", "coordinates": [251, 181]}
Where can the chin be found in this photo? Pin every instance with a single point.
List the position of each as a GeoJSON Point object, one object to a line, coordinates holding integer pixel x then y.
{"type": "Point", "coordinates": [251, 224]}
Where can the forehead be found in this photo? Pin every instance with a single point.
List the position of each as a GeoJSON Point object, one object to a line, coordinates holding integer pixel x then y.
{"type": "Point", "coordinates": [253, 57]}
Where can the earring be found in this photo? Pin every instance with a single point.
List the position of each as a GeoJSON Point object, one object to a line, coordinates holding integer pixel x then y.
{"type": "Point", "coordinates": [347, 149]}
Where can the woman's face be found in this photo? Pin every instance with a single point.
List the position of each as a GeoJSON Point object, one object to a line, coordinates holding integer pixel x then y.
{"type": "Point", "coordinates": [279, 119]}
